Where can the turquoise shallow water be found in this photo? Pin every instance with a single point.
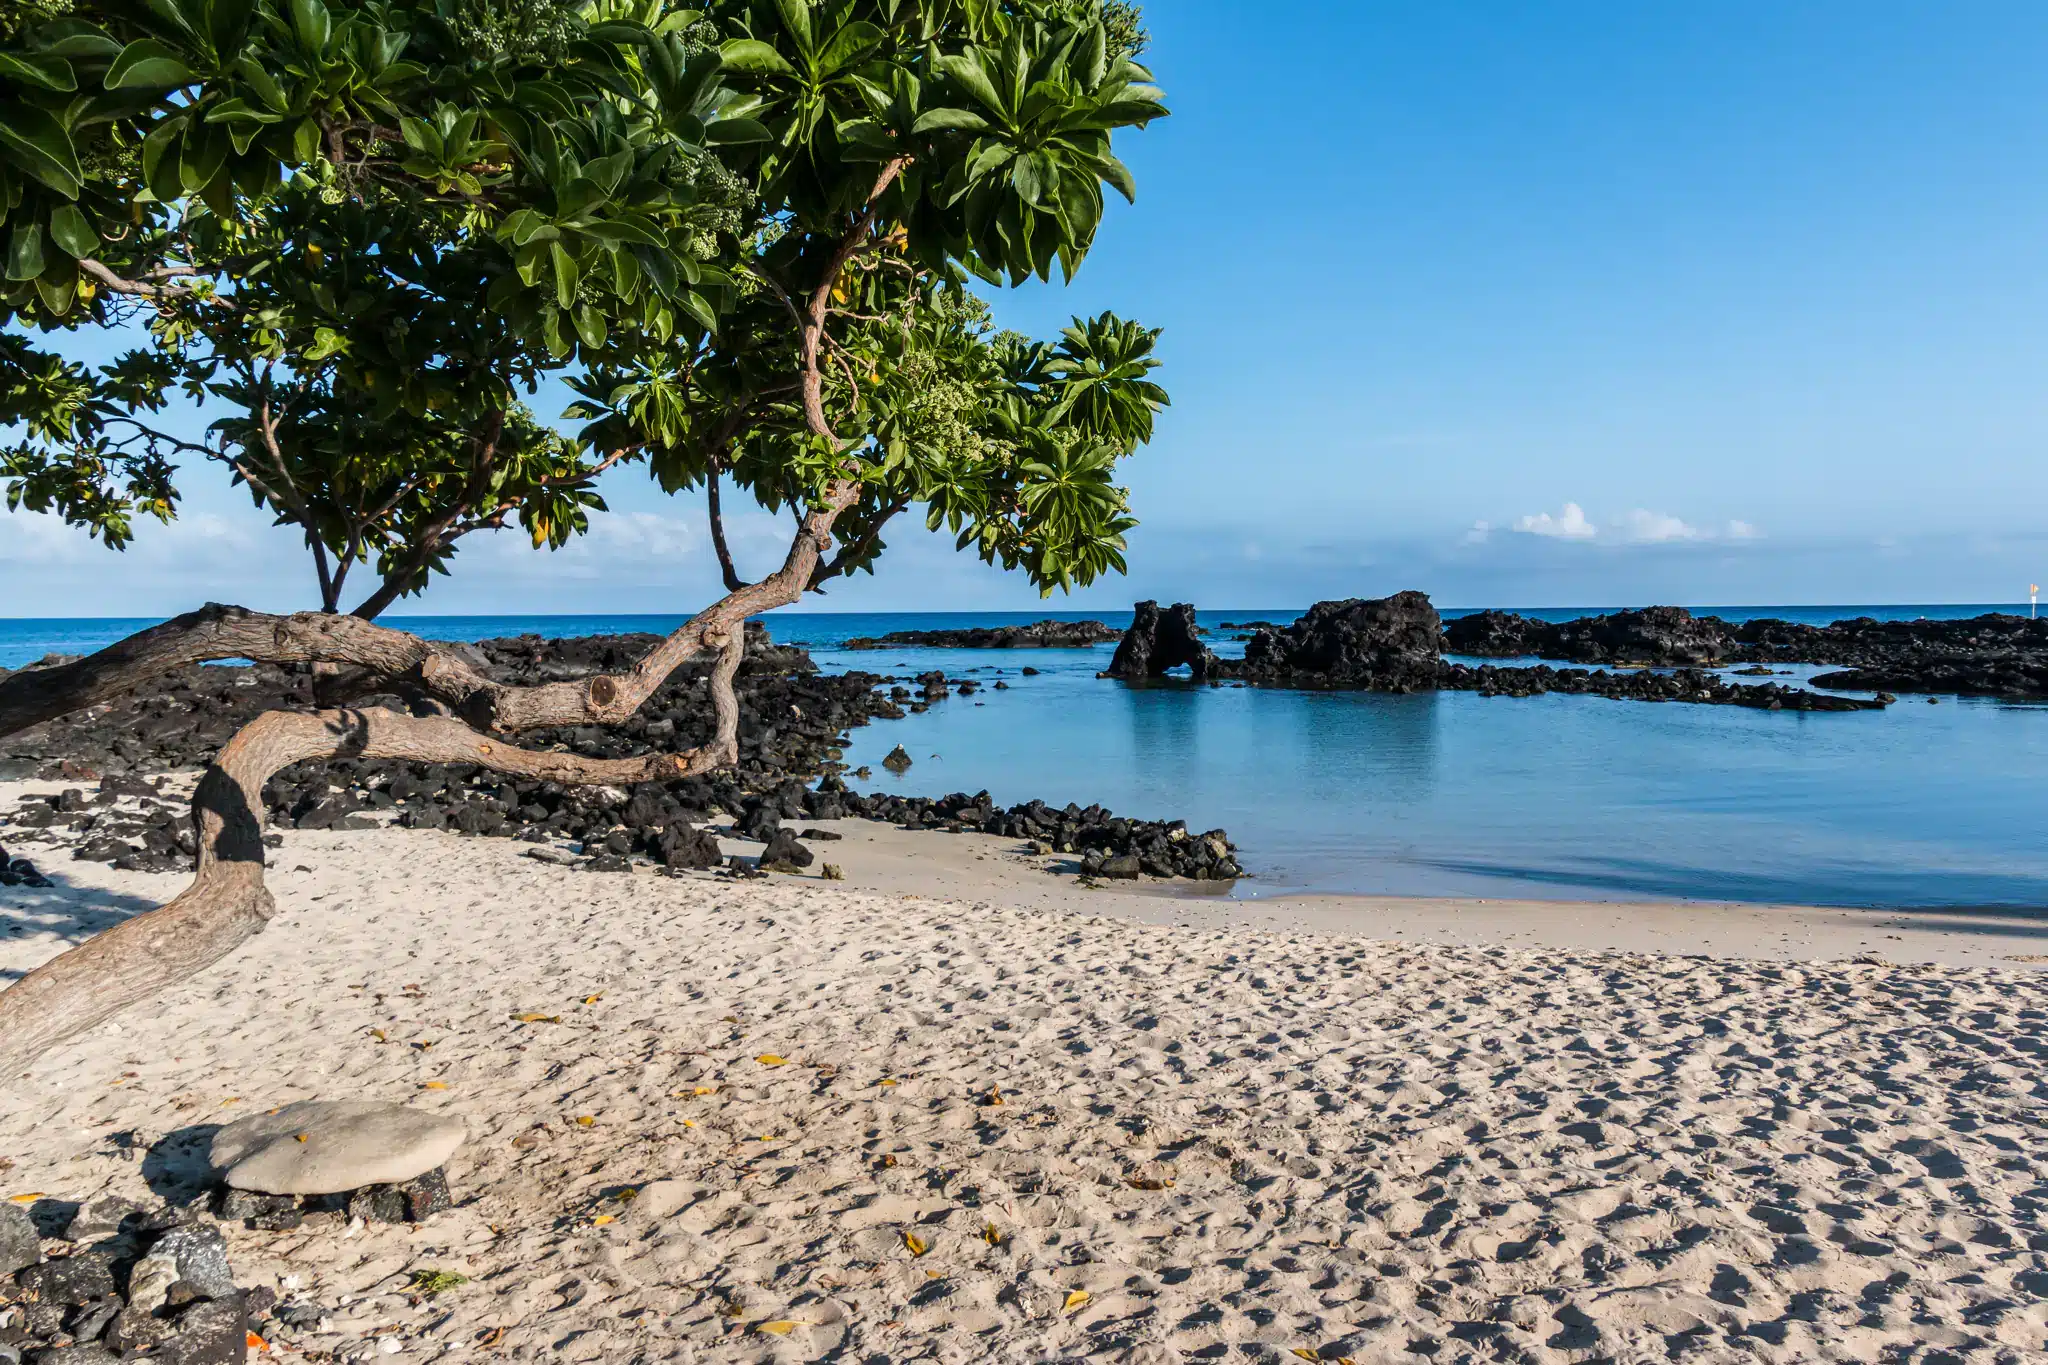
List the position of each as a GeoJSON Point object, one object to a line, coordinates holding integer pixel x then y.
{"type": "Point", "coordinates": [1452, 794]}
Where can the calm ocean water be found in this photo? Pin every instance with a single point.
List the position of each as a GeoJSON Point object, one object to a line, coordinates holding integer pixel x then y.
{"type": "Point", "coordinates": [1452, 794]}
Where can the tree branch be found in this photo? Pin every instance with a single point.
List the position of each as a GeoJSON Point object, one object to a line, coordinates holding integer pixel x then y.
{"type": "Point", "coordinates": [733, 581]}
{"type": "Point", "coordinates": [144, 289]}
{"type": "Point", "coordinates": [435, 533]}
{"type": "Point", "coordinates": [854, 551]}
{"type": "Point", "coordinates": [813, 329]}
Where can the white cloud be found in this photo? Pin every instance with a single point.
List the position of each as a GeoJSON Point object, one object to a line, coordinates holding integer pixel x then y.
{"type": "Point", "coordinates": [1479, 534]}
{"type": "Point", "coordinates": [1638, 526]}
{"type": "Point", "coordinates": [1570, 524]}
{"type": "Point", "coordinates": [1649, 528]}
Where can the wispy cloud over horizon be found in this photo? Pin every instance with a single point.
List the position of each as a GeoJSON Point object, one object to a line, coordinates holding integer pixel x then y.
{"type": "Point", "coordinates": [1569, 524]}
{"type": "Point", "coordinates": [1645, 527]}
{"type": "Point", "coordinates": [1637, 526]}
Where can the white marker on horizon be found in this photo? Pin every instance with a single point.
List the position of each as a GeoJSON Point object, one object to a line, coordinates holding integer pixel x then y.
{"type": "Point", "coordinates": [2033, 599]}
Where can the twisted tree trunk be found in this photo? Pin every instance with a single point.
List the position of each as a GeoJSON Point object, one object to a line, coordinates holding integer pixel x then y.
{"type": "Point", "coordinates": [227, 901]}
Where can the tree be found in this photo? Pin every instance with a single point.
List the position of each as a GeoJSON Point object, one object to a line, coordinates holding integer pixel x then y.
{"type": "Point", "coordinates": [817, 345]}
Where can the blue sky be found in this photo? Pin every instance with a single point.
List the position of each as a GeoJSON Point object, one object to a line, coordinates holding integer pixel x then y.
{"type": "Point", "coordinates": [1574, 303]}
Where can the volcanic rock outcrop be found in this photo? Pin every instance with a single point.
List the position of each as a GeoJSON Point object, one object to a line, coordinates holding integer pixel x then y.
{"type": "Point", "coordinates": [1158, 641]}
{"type": "Point", "coordinates": [1047, 634]}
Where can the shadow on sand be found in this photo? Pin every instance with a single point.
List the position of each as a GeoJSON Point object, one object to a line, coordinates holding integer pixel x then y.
{"type": "Point", "coordinates": [69, 911]}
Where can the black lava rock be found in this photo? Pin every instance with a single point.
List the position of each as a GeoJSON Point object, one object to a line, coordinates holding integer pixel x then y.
{"type": "Point", "coordinates": [212, 1333]}
{"type": "Point", "coordinates": [1158, 641]}
{"type": "Point", "coordinates": [1995, 655]}
{"type": "Point", "coordinates": [377, 1204]}
{"type": "Point", "coordinates": [1038, 635]}
{"type": "Point", "coordinates": [683, 845]}
{"type": "Point", "coordinates": [1384, 644]}
{"type": "Point", "coordinates": [107, 1216]}
{"type": "Point", "coordinates": [759, 823]}
{"type": "Point", "coordinates": [267, 1212]}
{"type": "Point", "coordinates": [20, 1244]}
{"type": "Point", "coordinates": [426, 1195]}
{"type": "Point", "coordinates": [201, 1256]}
{"type": "Point", "coordinates": [71, 1281]}
{"type": "Point", "coordinates": [785, 854]}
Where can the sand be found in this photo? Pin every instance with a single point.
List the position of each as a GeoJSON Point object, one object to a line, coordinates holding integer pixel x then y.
{"type": "Point", "coordinates": [956, 1109]}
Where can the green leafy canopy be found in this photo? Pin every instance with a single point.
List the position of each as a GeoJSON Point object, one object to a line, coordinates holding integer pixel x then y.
{"type": "Point", "coordinates": [367, 229]}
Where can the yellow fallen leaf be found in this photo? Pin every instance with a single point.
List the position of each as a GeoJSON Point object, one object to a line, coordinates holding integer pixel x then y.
{"type": "Point", "coordinates": [301, 1136]}
{"type": "Point", "coordinates": [378, 1034]}
{"type": "Point", "coordinates": [689, 1123]}
{"type": "Point", "coordinates": [934, 1275]}
{"type": "Point", "coordinates": [232, 1099]}
{"type": "Point", "coordinates": [433, 1085]}
{"type": "Point", "coordinates": [1305, 1352]}
{"type": "Point", "coordinates": [917, 1245]}
{"type": "Point", "coordinates": [993, 1098]}
{"type": "Point", "coordinates": [537, 1018]}
{"type": "Point", "coordinates": [26, 1198]}
{"type": "Point", "coordinates": [886, 1081]}
{"type": "Point", "coordinates": [781, 1327]}
{"type": "Point", "coordinates": [1074, 1300]}
{"type": "Point", "coordinates": [992, 1235]}
{"type": "Point", "coordinates": [770, 1059]}
{"type": "Point", "coordinates": [602, 1219]}
{"type": "Point", "coordinates": [704, 1090]}
{"type": "Point", "coordinates": [593, 999]}
{"type": "Point", "coordinates": [586, 1120]}
{"type": "Point", "coordinates": [255, 1343]}
{"type": "Point", "coordinates": [1141, 1182]}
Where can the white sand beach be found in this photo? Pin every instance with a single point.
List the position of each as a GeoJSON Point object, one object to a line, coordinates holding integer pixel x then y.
{"type": "Point", "coordinates": [955, 1109]}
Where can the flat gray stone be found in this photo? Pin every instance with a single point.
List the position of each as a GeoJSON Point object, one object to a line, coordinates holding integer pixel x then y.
{"type": "Point", "coordinates": [333, 1146]}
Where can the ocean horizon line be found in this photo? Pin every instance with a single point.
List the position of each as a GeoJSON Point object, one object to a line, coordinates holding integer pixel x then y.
{"type": "Point", "coordinates": [1581, 608]}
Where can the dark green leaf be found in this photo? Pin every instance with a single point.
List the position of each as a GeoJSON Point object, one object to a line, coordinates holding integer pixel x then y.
{"type": "Point", "coordinates": [945, 120]}
{"type": "Point", "coordinates": [25, 250]}
{"type": "Point", "coordinates": [148, 64]}
{"type": "Point", "coordinates": [850, 45]}
{"type": "Point", "coordinates": [752, 57]}
{"type": "Point", "coordinates": [50, 73]}
{"type": "Point", "coordinates": [36, 142]}
{"type": "Point", "coordinates": [729, 132]}
{"type": "Point", "coordinates": [70, 230]}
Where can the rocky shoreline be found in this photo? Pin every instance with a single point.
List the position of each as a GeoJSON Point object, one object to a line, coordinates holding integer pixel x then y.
{"type": "Point", "coordinates": [1046, 634]}
{"type": "Point", "coordinates": [127, 1282]}
{"type": "Point", "coordinates": [1395, 644]}
{"type": "Point", "coordinates": [1994, 655]}
{"type": "Point", "coordinates": [794, 724]}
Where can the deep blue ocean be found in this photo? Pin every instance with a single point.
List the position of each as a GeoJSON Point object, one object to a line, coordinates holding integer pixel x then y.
{"type": "Point", "coordinates": [1450, 794]}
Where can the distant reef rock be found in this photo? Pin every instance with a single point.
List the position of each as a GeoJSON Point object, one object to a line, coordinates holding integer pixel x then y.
{"type": "Point", "coordinates": [1379, 644]}
{"type": "Point", "coordinates": [1394, 644]}
{"type": "Point", "coordinates": [1659, 636]}
{"type": "Point", "coordinates": [1038, 635]}
{"type": "Point", "coordinates": [1161, 640]}
{"type": "Point", "coordinates": [1994, 655]}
